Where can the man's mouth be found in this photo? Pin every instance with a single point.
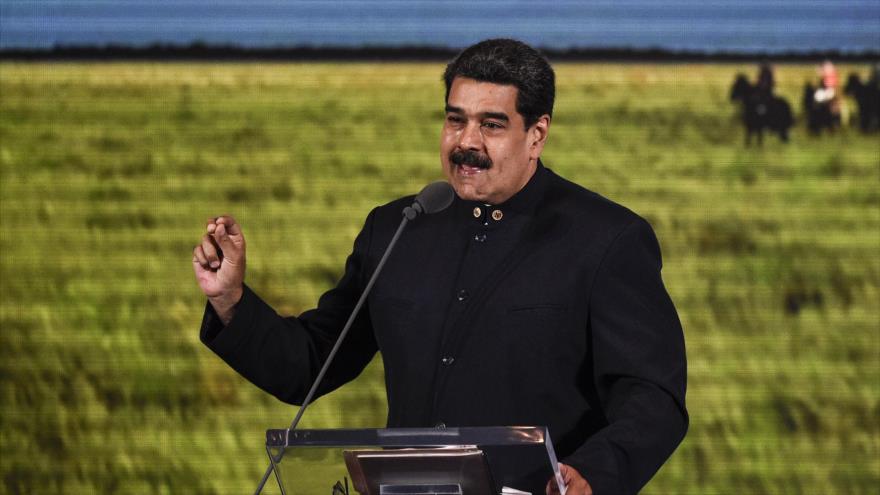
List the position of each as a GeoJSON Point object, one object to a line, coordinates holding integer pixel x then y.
{"type": "Point", "coordinates": [466, 169]}
{"type": "Point", "coordinates": [470, 162]}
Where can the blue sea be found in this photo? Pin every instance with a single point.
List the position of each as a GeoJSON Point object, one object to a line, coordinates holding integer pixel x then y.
{"type": "Point", "coordinates": [699, 25]}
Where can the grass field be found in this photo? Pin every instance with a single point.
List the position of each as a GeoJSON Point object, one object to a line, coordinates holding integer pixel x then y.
{"type": "Point", "coordinates": [108, 171]}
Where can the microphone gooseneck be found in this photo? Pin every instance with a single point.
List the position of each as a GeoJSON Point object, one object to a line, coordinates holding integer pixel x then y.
{"type": "Point", "coordinates": [433, 198]}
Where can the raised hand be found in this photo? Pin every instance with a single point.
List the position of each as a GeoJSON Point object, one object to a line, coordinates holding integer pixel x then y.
{"type": "Point", "coordinates": [219, 262]}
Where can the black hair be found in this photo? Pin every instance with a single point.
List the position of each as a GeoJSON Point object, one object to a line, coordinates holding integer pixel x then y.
{"type": "Point", "coordinates": [508, 61]}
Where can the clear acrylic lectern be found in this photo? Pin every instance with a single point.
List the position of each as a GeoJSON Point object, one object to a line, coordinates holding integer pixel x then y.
{"type": "Point", "coordinates": [406, 461]}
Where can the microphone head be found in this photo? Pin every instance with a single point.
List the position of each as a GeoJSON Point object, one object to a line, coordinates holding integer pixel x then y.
{"type": "Point", "coordinates": [435, 197]}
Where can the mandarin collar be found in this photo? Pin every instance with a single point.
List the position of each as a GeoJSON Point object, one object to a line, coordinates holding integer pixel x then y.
{"type": "Point", "coordinates": [523, 202]}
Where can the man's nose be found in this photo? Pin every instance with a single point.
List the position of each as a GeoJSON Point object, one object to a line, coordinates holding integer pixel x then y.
{"type": "Point", "coordinates": [471, 138]}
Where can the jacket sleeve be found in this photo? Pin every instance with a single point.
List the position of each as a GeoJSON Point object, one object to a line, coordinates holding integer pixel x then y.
{"type": "Point", "coordinates": [283, 355]}
{"type": "Point", "coordinates": [639, 367]}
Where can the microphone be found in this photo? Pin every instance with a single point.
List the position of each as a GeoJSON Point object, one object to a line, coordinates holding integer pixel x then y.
{"type": "Point", "coordinates": [436, 196]}
{"type": "Point", "coordinates": [433, 198]}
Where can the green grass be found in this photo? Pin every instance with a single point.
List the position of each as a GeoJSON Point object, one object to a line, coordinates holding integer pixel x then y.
{"type": "Point", "coordinates": [108, 171]}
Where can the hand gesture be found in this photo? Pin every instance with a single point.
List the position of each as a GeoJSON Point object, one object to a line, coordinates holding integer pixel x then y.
{"type": "Point", "coordinates": [219, 263]}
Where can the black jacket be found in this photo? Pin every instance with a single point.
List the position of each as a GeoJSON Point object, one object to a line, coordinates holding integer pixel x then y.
{"type": "Point", "coordinates": [556, 316]}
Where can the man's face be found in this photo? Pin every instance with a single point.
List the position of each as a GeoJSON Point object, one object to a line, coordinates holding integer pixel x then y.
{"type": "Point", "coordinates": [487, 153]}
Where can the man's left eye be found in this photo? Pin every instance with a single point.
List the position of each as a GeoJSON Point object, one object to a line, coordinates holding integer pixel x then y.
{"type": "Point", "coordinates": [493, 125]}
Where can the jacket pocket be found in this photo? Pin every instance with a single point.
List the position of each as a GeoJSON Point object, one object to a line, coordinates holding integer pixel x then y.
{"type": "Point", "coordinates": [538, 307]}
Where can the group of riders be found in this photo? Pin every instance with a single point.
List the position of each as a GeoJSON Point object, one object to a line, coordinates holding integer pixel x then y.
{"type": "Point", "coordinates": [824, 104]}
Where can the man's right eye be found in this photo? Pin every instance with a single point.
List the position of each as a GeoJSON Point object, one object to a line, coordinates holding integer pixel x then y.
{"type": "Point", "coordinates": [454, 119]}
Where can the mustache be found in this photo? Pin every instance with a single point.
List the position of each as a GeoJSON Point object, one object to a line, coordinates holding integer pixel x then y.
{"type": "Point", "coordinates": [471, 158]}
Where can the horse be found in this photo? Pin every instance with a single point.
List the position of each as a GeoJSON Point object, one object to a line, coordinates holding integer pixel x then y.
{"type": "Point", "coordinates": [822, 109]}
{"type": "Point", "coordinates": [819, 112]}
{"type": "Point", "coordinates": [761, 110]}
{"type": "Point", "coordinates": [867, 96]}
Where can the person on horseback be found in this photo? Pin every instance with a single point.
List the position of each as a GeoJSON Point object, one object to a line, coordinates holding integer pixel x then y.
{"type": "Point", "coordinates": [827, 96]}
{"type": "Point", "coordinates": [761, 109]}
{"type": "Point", "coordinates": [765, 80]}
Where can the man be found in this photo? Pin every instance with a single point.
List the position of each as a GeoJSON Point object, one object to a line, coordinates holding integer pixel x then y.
{"type": "Point", "coordinates": [530, 301]}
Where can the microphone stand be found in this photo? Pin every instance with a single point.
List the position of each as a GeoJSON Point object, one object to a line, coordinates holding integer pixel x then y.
{"type": "Point", "coordinates": [409, 213]}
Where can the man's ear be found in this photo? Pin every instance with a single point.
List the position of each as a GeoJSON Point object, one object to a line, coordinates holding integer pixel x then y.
{"type": "Point", "coordinates": [538, 136]}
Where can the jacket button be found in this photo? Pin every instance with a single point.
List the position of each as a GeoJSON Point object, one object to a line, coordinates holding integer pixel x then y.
{"type": "Point", "coordinates": [497, 215]}
{"type": "Point", "coordinates": [462, 295]}
{"type": "Point", "coordinates": [480, 237]}
{"type": "Point", "coordinates": [477, 212]}
{"type": "Point", "coordinates": [448, 360]}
